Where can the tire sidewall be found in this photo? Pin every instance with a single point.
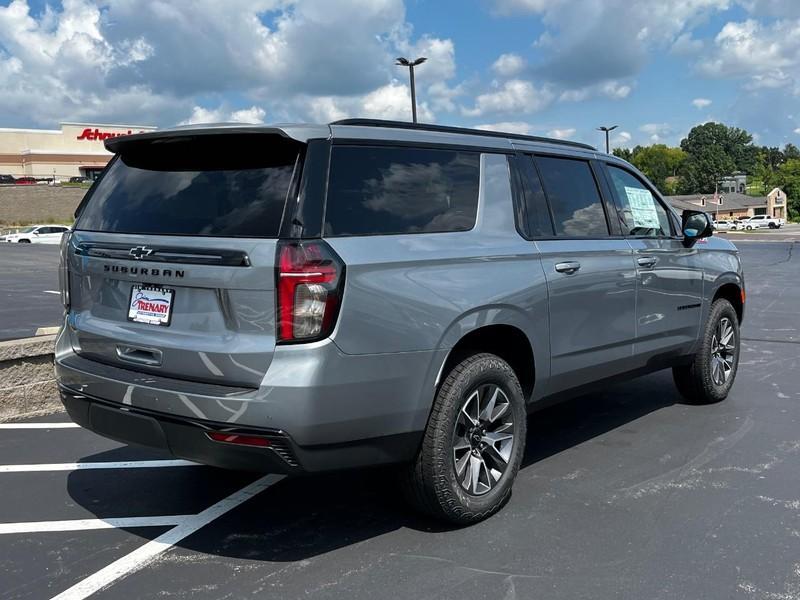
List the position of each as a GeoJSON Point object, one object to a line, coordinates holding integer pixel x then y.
{"type": "Point", "coordinates": [719, 310]}
{"type": "Point", "coordinates": [486, 369]}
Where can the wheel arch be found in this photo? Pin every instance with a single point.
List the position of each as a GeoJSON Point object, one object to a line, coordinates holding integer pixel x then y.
{"type": "Point", "coordinates": [504, 331]}
{"type": "Point", "coordinates": [733, 292]}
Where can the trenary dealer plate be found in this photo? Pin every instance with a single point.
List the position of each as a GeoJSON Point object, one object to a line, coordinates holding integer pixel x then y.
{"type": "Point", "coordinates": [150, 304]}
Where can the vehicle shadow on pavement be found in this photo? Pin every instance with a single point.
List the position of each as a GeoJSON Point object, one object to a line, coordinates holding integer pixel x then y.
{"type": "Point", "coordinates": [303, 517]}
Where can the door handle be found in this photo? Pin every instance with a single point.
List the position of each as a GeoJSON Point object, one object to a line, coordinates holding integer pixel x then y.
{"type": "Point", "coordinates": [568, 267]}
{"type": "Point", "coordinates": [142, 356]}
{"type": "Point", "coordinates": [646, 261]}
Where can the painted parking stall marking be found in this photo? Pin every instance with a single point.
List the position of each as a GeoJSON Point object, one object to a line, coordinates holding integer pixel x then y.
{"type": "Point", "coordinates": [85, 524]}
{"type": "Point", "coordinates": [142, 556]}
{"type": "Point", "coordinates": [181, 525]}
{"type": "Point", "coordinates": [79, 466]}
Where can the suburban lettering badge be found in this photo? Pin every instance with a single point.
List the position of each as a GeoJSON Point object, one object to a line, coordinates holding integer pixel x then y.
{"type": "Point", "coordinates": [176, 273]}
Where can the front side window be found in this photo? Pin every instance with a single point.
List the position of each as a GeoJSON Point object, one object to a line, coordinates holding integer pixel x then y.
{"type": "Point", "coordinates": [642, 214]}
{"type": "Point", "coordinates": [382, 190]}
{"type": "Point", "coordinates": [574, 198]}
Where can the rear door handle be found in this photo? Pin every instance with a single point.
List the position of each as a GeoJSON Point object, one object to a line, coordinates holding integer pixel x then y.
{"type": "Point", "coordinates": [568, 267]}
{"type": "Point", "coordinates": [646, 261]}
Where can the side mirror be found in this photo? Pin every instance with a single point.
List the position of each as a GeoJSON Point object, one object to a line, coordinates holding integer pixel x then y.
{"type": "Point", "coordinates": [35, 233]}
{"type": "Point", "coordinates": [695, 225]}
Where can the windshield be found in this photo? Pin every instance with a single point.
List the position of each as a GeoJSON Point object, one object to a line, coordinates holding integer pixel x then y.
{"type": "Point", "coordinates": [220, 185]}
{"type": "Point", "coordinates": [27, 230]}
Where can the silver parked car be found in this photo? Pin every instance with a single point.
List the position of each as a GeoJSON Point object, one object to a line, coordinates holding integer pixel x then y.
{"type": "Point", "coordinates": [304, 298]}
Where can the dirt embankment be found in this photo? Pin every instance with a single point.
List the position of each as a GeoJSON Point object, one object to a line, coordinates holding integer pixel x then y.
{"type": "Point", "coordinates": [28, 204]}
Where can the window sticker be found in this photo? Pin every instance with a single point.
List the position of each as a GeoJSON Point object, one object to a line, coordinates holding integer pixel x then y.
{"type": "Point", "coordinates": [643, 208]}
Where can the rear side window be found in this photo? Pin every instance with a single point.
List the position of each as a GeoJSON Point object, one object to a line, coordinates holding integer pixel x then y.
{"type": "Point", "coordinates": [217, 185]}
{"type": "Point", "coordinates": [574, 198]}
{"type": "Point", "coordinates": [382, 190]}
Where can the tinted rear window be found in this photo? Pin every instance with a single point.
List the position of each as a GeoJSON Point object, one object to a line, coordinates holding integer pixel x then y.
{"type": "Point", "coordinates": [378, 190]}
{"type": "Point", "coordinates": [574, 197]}
{"type": "Point", "coordinates": [219, 185]}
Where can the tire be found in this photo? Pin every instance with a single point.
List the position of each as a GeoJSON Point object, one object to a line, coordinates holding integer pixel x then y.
{"type": "Point", "coordinates": [702, 381]}
{"type": "Point", "coordinates": [431, 482]}
{"type": "Point", "coordinates": [773, 226]}
{"type": "Point", "coordinates": [24, 241]}
{"type": "Point", "coordinates": [748, 228]}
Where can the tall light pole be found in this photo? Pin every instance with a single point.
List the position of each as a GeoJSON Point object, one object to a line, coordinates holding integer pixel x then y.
{"type": "Point", "coordinates": [607, 130]}
{"type": "Point", "coordinates": [404, 62]}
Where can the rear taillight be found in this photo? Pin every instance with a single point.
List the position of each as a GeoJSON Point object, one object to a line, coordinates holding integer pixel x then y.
{"type": "Point", "coordinates": [63, 269]}
{"type": "Point", "coordinates": [239, 440]}
{"type": "Point", "coordinates": [310, 283]}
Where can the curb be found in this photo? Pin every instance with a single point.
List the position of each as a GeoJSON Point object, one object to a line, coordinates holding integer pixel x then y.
{"type": "Point", "coordinates": [27, 380]}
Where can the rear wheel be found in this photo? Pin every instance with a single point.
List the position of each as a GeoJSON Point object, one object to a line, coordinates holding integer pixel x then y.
{"type": "Point", "coordinates": [710, 375]}
{"type": "Point", "coordinates": [473, 444]}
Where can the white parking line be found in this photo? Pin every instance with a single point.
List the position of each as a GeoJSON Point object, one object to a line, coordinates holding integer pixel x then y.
{"type": "Point", "coordinates": [51, 291]}
{"type": "Point", "coordinates": [38, 425]}
{"type": "Point", "coordinates": [142, 556]}
{"type": "Point", "coordinates": [84, 524]}
{"type": "Point", "coordinates": [77, 466]}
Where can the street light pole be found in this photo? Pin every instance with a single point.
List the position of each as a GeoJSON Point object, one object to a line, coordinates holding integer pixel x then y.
{"type": "Point", "coordinates": [404, 62]}
{"type": "Point", "coordinates": [607, 131]}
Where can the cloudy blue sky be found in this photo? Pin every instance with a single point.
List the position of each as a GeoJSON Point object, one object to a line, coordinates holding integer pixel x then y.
{"type": "Point", "coordinates": [555, 67]}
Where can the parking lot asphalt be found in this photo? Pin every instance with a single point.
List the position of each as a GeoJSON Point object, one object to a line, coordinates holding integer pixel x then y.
{"type": "Point", "coordinates": [624, 493]}
{"type": "Point", "coordinates": [28, 289]}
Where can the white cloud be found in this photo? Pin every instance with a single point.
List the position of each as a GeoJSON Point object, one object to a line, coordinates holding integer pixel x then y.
{"type": "Point", "coordinates": [562, 134]}
{"type": "Point", "coordinates": [392, 101]}
{"type": "Point", "coordinates": [701, 103]}
{"type": "Point", "coordinates": [766, 55]}
{"type": "Point", "coordinates": [155, 62]}
{"type": "Point", "coordinates": [509, 65]}
{"type": "Point", "coordinates": [621, 139]}
{"type": "Point", "coordinates": [656, 131]}
{"type": "Point", "coordinates": [609, 89]}
{"type": "Point", "coordinates": [254, 114]}
{"type": "Point", "coordinates": [686, 45]}
{"type": "Point", "coordinates": [589, 41]}
{"type": "Point", "coordinates": [507, 126]}
{"type": "Point", "coordinates": [514, 96]}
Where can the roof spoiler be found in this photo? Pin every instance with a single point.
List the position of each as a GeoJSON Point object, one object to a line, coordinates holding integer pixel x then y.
{"type": "Point", "coordinates": [120, 143]}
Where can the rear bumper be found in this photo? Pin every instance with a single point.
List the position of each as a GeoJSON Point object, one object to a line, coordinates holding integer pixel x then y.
{"type": "Point", "coordinates": [186, 438]}
{"type": "Point", "coordinates": [323, 409]}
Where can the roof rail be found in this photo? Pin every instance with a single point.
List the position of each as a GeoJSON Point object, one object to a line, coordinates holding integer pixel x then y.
{"type": "Point", "coordinates": [462, 130]}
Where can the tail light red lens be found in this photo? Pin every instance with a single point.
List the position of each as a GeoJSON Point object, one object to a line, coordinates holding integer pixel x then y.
{"type": "Point", "coordinates": [309, 290]}
{"type": "Point", "coordinates": [238, 439]}
{"type": "Point", "coordinates": [63, 269]}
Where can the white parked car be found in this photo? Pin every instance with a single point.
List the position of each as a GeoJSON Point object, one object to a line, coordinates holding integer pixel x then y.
{"type": "Point", "coordinates": [760, 221]}
{"type": "Point", "coordinates": [724, 225]}
{"type": "Point", "coordinates": [37, 234]}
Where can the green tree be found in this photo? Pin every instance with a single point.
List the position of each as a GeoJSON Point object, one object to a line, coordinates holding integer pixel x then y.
{"type": "Point", "coordinates": [713, 151]}
{"type": "Point", "coordinates": [788, 177]}
{"type": "Point", "coordinates": [790, 151]}
{"type": "Point", "coordinates": [659, 162]}
{"type": "Point", "coordinates": [623, 153]}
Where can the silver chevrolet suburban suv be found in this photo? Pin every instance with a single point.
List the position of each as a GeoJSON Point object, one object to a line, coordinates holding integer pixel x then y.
{"type": "Point", "coordinates": [300, 298]}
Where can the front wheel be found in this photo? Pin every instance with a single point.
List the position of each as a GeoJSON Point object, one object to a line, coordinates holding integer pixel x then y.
{"type": "Point", "coordinates": [710, 375]}
{"type": "Point", "coordinates": [473, 444]}
{"type": "Point", "coordinates": [24, 241]}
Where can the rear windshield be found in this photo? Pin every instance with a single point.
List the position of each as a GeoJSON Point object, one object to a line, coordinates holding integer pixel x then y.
{"type": "Point", "coordinates": [216, 185]}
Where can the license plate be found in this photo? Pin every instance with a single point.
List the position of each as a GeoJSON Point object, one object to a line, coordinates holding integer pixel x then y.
{"type": "Point", "coordinates": [152, 305]}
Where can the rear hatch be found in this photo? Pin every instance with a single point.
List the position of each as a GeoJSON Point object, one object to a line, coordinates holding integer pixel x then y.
{"type": "Point", "coordinates": [172, 261]}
